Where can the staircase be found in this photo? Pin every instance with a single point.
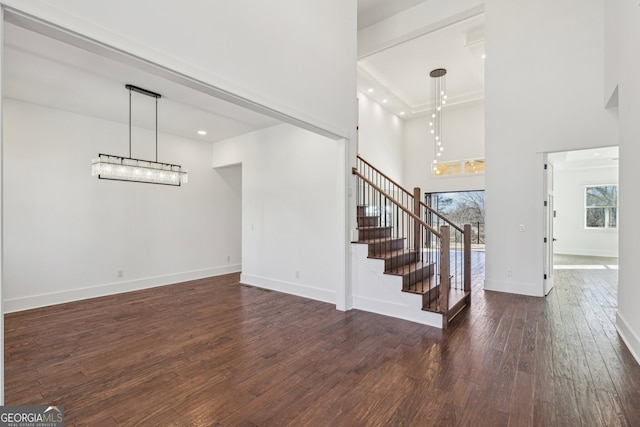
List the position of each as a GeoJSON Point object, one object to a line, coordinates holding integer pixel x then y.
{"type": "Point", "coordinates": [417, 273]}
{"type": "Point", "coordinates": [430, 254]}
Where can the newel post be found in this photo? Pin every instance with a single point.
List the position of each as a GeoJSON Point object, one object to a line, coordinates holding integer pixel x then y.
{"type": "Point", "coordinates": [467, 257]}
{"type": "Point", "coordinates": [417, 245]}
{"type": "Point", "coordinates": [445, 276]}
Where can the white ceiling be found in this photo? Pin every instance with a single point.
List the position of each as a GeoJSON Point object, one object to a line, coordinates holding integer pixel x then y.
{"type": "Point", "coordinates": [585, 159]}
{"type": "Point", "coordinates": [44, 71]}
{"type": "Point", "coordinates": [401, 74]}
{"type": "Point", "coordinates": [373, 11]}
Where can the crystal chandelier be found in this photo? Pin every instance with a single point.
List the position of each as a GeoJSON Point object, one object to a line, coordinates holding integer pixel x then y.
{"type": "Point", "coordinates": [118, 168]}
{"type": "Point", "coordinates": [438, 100]}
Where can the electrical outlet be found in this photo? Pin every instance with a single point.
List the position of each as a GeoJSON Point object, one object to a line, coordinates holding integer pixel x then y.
{"type": "Point", "coordinates": [297, 274]}
{"type": "Point", "coordinates": [228, 258]}
{"type": "Point", "coordinates": [120, 273]}
{"type": "Point", "coordinates": [508, 273]}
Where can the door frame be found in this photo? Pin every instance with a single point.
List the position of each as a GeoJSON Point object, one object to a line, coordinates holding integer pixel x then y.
{"type": "Point", "coordinates": [548, 226]}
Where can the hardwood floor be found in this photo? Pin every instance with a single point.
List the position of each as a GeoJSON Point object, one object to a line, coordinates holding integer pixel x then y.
{"type": "Point", "coordinates": [213, 352]}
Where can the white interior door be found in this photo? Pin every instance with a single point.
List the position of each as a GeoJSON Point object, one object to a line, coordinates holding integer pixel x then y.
{"type": "Point", "coordinates": [549, 215]}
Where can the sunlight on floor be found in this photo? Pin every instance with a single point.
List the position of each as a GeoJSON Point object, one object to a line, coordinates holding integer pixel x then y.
{"type": "Point", "coordinates": [584, 267]}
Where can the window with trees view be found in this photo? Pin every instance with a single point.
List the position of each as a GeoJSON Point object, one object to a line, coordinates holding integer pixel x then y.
{"type": "Point", "coordinates": [601, 206]}
{"type": "Point", "coordinates": [461, 207]}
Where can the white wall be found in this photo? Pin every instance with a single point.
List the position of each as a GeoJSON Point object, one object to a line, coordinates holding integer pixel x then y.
{"type": "Point", "coordinates": [463, 135]}
{"type": "Point", "coordinates": [613, 48]}
{"type": "Point", "coordinates": [292, 210]}
{"type": "Point", "coordinates": [403, 149]}
{"type": "Point", "coordinates": [623, 39]}
{"type": "Point", "coordinates": [544, 85]}
{"type": "Point", "coordinates": [66, 233]}
{"type": "Point", "coordinates": [569, 230]}
{"type": "Point", "coordinates": [380, 138]}
{"type": "Point", "coordinates": [295, 57]}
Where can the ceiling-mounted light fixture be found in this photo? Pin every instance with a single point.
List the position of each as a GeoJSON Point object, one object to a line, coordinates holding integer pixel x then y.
{"type": "Point", "coordinates": [438, 101]}
{"type": "Point", "coordinates": [118, 168]}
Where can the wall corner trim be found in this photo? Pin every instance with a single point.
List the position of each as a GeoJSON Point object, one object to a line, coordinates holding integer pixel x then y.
{"type": "Point", "coordinates": [628, 336]}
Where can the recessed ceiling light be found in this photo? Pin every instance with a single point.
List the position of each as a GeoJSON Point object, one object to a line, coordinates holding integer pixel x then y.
{"type": "Point", "coordinates": [402, 113]}
{"type": "Point", "coordinates": [384, 101]}
{"type": "Point", "coordinates": [596, 154]}
{"type": "Point", "coordinates": [484, 56]}
{"type": "Point", "coordinates": [202, 132]}
{"type": "Point", "coordinates": [370, 90]}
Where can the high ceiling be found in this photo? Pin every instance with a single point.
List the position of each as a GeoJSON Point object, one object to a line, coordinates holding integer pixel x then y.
{"type": "Point", "coordinates": [400, 74]}
{"type": "Point", "coordinates": [42, 70]}
{"type": "Point", "coordinates": [45, 71]}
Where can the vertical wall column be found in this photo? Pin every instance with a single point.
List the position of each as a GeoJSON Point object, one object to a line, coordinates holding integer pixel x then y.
{"type": "Point", "coordinates": [1, 210]}
{"type": "Point", "coordinates": [344, 292]}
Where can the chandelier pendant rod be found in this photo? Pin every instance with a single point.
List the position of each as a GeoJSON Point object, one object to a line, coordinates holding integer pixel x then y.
{"type": "Point", "coordinates": [156, 130]}
{"type": "Point", "coordinates": [129, 121]}
{"type": "Point", "coordinates": [142, 91]}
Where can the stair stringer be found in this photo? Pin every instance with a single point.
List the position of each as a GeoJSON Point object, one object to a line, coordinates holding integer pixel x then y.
{"type": "Point", "coordinates": [380, 293]}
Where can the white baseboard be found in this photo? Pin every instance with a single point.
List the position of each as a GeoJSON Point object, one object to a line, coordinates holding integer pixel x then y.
{"type": "Point", "coordinates": [511, 287]}
{"type": "Point", "coordinates": [399, 311]}
{"type": "Point", "coordinates": [297, 289]}
{"type": "Point", "coordinates": [61, 297]}
{"type": "Point", "coordinates": [628, 336]}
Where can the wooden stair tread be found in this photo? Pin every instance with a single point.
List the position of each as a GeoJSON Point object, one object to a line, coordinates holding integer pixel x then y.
{"type": "Point", "coordinates": [390, 254]}
{"type": "Point", "coordinates": [380, 240]}
{"type": "Point", "coordinates": [409, 268]}
{"type": "Point", "coordinates": [419, 288]}
{"type": "Point", "coordinates": [457, 299]}
{"type": "Point", "coordinates": [456, 296]}
{"type": "Point", "coordinates": [417, 291]}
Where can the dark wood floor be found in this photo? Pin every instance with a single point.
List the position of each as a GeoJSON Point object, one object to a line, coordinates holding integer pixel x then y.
{"type": "Point", "coordinates": [213, 352]}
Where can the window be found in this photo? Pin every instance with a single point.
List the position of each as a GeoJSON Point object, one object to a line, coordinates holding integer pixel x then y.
{"type": "Point", "coordinates": [601, 206]}
{"type": "Point", "coordinates": [458, 167]}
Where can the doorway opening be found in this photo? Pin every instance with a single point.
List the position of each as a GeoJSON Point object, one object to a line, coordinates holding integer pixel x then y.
{"type": "Point", "coordinates": [461, 207]}
{"type": "Point", "coordinates": [582, 222]}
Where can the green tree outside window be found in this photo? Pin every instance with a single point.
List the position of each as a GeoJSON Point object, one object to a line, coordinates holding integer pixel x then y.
{"type": "Point", "coordinates": [601, 206]}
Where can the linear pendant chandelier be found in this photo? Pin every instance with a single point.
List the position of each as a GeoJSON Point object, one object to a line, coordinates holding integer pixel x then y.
{"type": "Point", "coordinates": [118, 168]}
{"type": "Point", "coordinates": [438, 100]}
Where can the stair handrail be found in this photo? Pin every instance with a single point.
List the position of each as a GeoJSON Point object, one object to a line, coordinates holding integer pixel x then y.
{"type": "Point", "coordinates": [410, 195]}
{"type": "Point", "coordinates": [384, 176]}
{"type": "Point", "coordinates": [395, 202]}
